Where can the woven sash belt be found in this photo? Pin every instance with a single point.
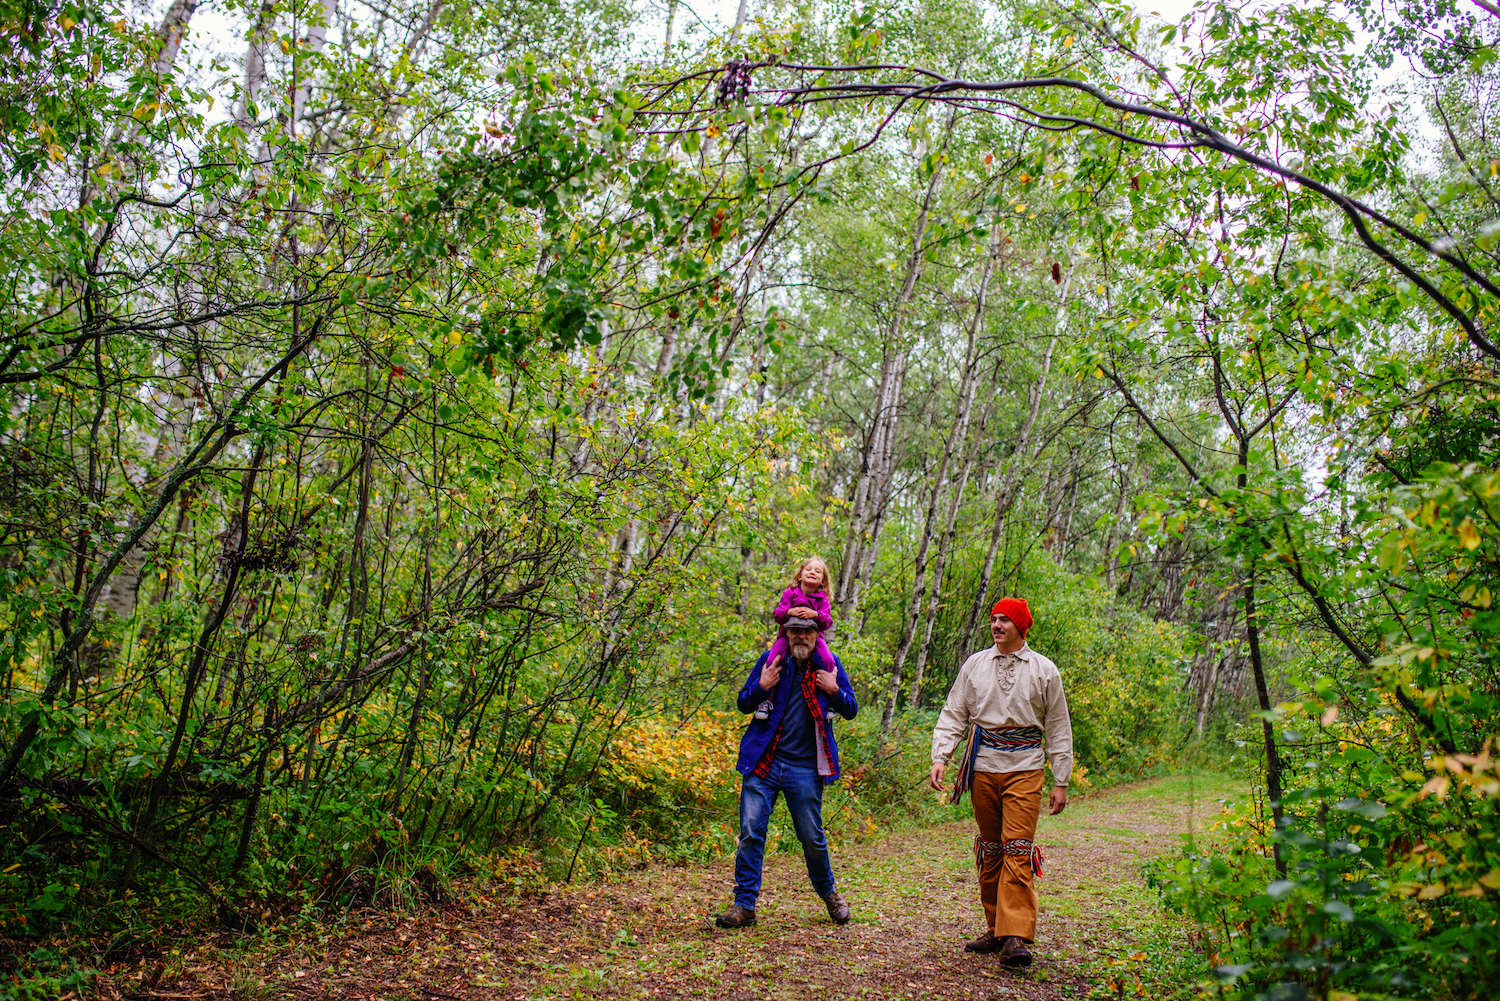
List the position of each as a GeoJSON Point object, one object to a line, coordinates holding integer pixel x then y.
{"type": "Point", "coordinates": [1004, 738]}
{"type": "Point", "coordinates": [1014, 846]}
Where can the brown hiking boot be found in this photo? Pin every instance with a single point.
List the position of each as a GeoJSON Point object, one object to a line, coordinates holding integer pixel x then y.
{"type": "Point", "coordinates": [736, 917]}
{"type": "Point", "coordinates": [1013, 951]}
{"type": "Point", "coordinates": [984, 943]}
{"type": "Point", "coordinates": [837, 908]}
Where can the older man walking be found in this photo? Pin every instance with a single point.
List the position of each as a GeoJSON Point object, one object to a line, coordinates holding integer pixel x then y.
{"type": "Point", "coordinates": [789, 750]}
{"type": "Point", "coordinates": [1009, 699]}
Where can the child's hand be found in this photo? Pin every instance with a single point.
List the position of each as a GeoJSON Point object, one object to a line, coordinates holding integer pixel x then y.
{"type": "Point", "coordinates": [770, 674]}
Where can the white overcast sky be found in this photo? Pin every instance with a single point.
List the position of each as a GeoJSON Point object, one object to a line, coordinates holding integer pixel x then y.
{"type": "Point", "coordinates": [222, 33]}
{"type": "Point", "coordinates": [718, 15]}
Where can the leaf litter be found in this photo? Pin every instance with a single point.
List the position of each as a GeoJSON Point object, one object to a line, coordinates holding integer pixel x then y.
{"type": "Point", "coordinates": [650, 933]}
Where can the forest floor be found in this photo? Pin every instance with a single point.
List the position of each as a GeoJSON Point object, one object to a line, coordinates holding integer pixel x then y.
{"type": "Point", "coordinates": [650, 934]}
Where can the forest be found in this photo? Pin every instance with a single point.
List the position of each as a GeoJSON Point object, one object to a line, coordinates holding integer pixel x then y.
{"type": "Point", "coordinates": [410, 412]}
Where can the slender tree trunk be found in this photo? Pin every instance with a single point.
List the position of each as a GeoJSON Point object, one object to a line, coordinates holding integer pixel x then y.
{"type": "Point", "coordinates": [174, 28]}
{"type": "Point", "coordinates": [863, 499]}
{"type": "Point", "coordinates": [214, 440]}
{"type": "Point", "coordinates": [957, 436]}
{"type": "Point", "coordinates": [934, 602]}
{"type": "Point", "coordinates": [877, 463]}
{"type": "Point", "coordinates": [351, 639]}
{"type": "Point", "coordinates": [247, 826]}
{"type": "Point", "coordinates": [414, 723]}
{"type": "Point", "coordinates": [882, 485]}
{"type": "Point", "coordinates": [312, 43]}
{"type": "Point", "coordinates": [671, 21]}
{"type": "Point", "coordinates": [668, 350]}
{"type": "Point", "coordinates": [1263, 695]}
{"type": "Point", "coordinates": [1004, 497]}
{"type": "Point", "coordinates": [249, 114]}
{"type": "Point", "coordinates": [1206, 696]}
{"type": "Point", "coordinates": [1067, 504]}
{"type": "Point", "coordinates": [235, 543]}
{"type": "Point", "coordinates": [1111, 540]}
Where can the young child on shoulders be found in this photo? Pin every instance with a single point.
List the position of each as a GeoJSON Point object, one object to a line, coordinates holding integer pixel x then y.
{"type": "Point", "coordinates": [809, 590]}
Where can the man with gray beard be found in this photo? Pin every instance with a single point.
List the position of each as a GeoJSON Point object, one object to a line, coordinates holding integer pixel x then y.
{"type": "Point", "coordinates": [789, 750]}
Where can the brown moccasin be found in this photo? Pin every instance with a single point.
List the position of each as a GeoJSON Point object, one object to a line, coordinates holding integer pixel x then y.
{"type": "Point", "coordinates": [736, 917]}
{"type": "Point", "coordinates": [984, 943]}
{"type": "Point", "coordinates": [1013, 951]}
{"type": "Point", "coordinates": [838, 909]}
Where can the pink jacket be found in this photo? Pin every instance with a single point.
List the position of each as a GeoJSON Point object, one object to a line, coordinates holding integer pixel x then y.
{"type": "Point", "coordinates": [817, 601]}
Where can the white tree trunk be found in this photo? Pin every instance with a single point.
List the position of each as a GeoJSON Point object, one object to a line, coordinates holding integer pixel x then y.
{"type": "Point", "coordinates": [878, 462]}
{"type": "Point", "coordinates": [311, 44]}
{"type": "Point", "coordinates": [1005, 495]}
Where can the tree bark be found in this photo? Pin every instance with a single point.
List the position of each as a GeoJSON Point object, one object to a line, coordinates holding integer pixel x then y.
{"type": "Point", "coordinates": [957, 436]}
{"type": "Point", "coordinates": [1005, 496]}
{"type": "Point", "coordinates": [877, 462]}
{"type": "Point", "coordinates": [237, 537]}
{"type": "Point", "coordinates": [219, 434]}
{"type": "Point", "coordinates": [945, 542]}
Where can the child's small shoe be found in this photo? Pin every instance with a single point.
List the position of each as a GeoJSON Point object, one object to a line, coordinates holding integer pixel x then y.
{"type": "Point", "coordinates": [763, 711]}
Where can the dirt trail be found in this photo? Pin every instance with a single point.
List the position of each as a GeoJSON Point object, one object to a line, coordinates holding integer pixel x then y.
{"type": "Point", "coordinates": [650, 935]}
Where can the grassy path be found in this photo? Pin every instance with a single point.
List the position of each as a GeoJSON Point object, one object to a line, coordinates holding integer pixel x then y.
{"type": "Point", "coordinates": [650, 935]}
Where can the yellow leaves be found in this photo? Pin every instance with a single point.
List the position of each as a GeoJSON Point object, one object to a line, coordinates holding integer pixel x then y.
{"type": "Point", "coordinates": [697, 753]}
{"type": "Point", "coordinates": [455, 337]}
{"type": "Point", "coordinates": [1433, 891]}
{"type": "Point", "coordinates": [712, 132]}
{"type": "Point", "coordinates": [1468, 535]}
{"type": "Point", "coordinates": [66, 23]}
{"type": "Point", "coordinates": [1436, 786]}
{"type": "Point", "coordinates": [1330, 716]}
{"type": "Point", "coordinates": [1491, 879]}
{"type": "Point", "coordinates": [1476, 772]}
{"type": "Point", "coordinates": [48, 135]}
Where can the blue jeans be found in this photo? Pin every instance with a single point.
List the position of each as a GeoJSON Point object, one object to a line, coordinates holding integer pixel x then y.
{"type": "Point", "coordinates": [804, 801]}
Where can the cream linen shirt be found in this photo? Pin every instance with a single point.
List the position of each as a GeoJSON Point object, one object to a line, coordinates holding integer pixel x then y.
{"type": "Point", "coordinates": [995, 689]}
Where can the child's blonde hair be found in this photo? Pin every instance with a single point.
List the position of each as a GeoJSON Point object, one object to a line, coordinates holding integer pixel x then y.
{"type": "Point", "coordinates": [804, 564]}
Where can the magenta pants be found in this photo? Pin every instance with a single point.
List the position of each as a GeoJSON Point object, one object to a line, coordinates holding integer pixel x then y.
{"type": "Point", "coordinates": [781, 647]}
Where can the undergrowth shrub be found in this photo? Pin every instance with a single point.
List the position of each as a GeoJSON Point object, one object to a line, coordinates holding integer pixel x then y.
{"type": "Point", "coordinates": [1388, 883]}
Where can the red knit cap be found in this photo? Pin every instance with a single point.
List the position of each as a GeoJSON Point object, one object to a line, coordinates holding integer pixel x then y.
{"type": "Point", "coordinates": [1014, 609]}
